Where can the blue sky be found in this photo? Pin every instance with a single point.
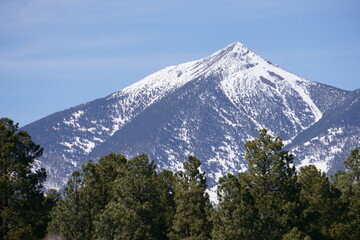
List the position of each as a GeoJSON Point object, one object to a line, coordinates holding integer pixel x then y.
{"type": "Point", "coordinates": [55, 54]}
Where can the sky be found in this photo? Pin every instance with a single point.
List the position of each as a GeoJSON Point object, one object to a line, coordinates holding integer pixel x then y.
{"type": "Point", "coordinates": [56, 54]}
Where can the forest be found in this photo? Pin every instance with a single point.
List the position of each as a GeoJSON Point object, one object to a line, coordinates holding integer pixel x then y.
{"type": "Point", "coordinates": [120, 198]}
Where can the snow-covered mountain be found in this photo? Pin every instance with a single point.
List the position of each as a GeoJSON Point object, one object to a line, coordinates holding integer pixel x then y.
{"type": "Point", "coordinates": [209, 108]}
{"type": "Point", "coordinates": [328, 142]}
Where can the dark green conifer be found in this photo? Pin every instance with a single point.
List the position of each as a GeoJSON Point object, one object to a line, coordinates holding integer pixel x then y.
{"type": "Point", "coordinates": [272, 182]}
{"type": "Point", "coordinates": [21, 195]}
{"type": "Point", "coordinates": [85, 197]}
{"type": "Point", "coordinates": [134, 211]}
{"type": "Point", "coordinates": [319, 200]}
{"type": "Point", "coordinates": [348, 182]}
{"type": "Point", "coordinates": [68, 218]}
{"type": "Point", "coordinates": [191, 219]}
{"type": "Point", "coordinates": [296, 234]}
{"type": "Point", "coordinates": [269, 166]}
{"type": "Point", "coordinates": [166, 182]}
{"type": "Point", "coordinates": [236, 215]}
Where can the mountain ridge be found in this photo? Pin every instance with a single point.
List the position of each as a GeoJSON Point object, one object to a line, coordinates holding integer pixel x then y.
{"type": "Point", "coordinates": [208, 107]}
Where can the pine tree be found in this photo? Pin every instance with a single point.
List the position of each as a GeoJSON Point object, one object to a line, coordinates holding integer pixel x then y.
{"type": "Point", "coordinates": [100, 178]}
{"type": "Point", "coordinates": [85, 197]}
{"type": "Point", "coordinates": [191, 219]}
{"type": "Point", "coordinates": [296, 234]}
{"type": "Point", "coordinates": [348, 182]}
{"type": "Point", "coordinates": [166, 182]}
{"type": "Point", "coordinates": [270, 168]}
{"type": "Point", "coordinates": [98, 188]}
{"type": "Point", "coordinates": [134, 211]}
{"type": "Point", "coordinates": [69, 215]}
{"type": "Point", "coordinates": [236, 215]}
{"type": "Point", "coordinates": [352, 165]}
{"type": "Point", "coordinates": [321, 208]}
{"type": "Point", "coordinates": [21, 195]}
{"type": "Point", "coordinates": [272, 180]}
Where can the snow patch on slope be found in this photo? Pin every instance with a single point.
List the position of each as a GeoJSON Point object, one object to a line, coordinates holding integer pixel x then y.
{"type": "Point", "coordinates": [320, 159]}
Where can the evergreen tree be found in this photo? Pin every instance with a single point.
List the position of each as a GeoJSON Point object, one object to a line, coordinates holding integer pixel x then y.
{"type": "Point", "coordinates": [98, 188]}
{"type": "Point", "coordinates": [296, 234]}
{"type": "Point", "coordinates": [21, 196]}
{"type": "Point", "coordinates": [69, 215]}
{"type": "Point", "coordinates": [85, 197]}
{"type": "Point", "coordinates": [134, 211]}
{"type": "Point", "coordinates": [352, 165]}
{"type": "Point", "coordinates": [236, 215]}
{"type": "Point", "coordinates": [272, 180]}
{"type": "Point", "coordinates": [191, 219]}
{"type": "Point", "coordinates": [166, 182]}
{"type": "Point", "coordinates": [321, 208]}
{"type": "Point", "coordinates": [270, 168]}
{"type": "Point", "coordinates": [348, 182]}
{"type": "Point", "coordinates": [99, 178]}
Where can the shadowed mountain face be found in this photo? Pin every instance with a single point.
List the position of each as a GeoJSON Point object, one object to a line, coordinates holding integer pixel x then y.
{"type": "Point", "coordinates": [209, 108]}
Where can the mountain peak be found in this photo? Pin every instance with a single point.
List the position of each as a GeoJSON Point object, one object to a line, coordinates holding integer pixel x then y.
{"type": "Point", "coordinates": [238, 46]}
{"type": "Point", "coordinates": [235, 54]}
{"type": "Point", "coordinates": [235, 49]}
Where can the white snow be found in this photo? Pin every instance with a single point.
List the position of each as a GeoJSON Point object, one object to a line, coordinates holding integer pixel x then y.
{"type": "Point", "coordinates": [213, 195]}
{"type": "Point", "coordinates": [84, 144]}
{"type": "Point", "coordinates": [78, 114]}
{"type": "Point", "coordinates": [320, 159]}
{"type": "Point", "coordinates": [183, 135]}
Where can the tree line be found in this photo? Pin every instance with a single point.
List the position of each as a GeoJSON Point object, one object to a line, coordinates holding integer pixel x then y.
{"type": "Point", "coordinates": [120, 198]}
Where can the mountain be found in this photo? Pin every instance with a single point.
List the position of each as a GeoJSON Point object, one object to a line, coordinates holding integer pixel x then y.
{"type": "Point", "coordinates": [208, 107]}
{"type": "Point", "coordinates": [328, 142]}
